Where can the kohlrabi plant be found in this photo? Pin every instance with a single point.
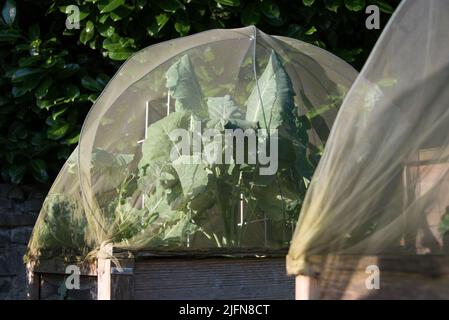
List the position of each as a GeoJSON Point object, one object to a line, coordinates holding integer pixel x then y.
{"type": "Point", "coordinates": [201, 201]}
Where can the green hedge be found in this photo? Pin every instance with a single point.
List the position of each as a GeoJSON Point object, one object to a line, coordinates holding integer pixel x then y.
{"type": "Point", "coordinates": [50, 75]}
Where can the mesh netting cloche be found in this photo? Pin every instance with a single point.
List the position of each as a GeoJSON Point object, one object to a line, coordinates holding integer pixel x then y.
{"type": "Point", "coordinates": [206, 142]}
{"type": "Point", "coordinates": [381, 187]}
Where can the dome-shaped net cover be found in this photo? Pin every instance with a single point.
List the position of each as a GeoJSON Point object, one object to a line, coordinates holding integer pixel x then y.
{"type": "Point", "coordinates": [381, 187]}
{"type": "Point", "coordinates": [206, 142]}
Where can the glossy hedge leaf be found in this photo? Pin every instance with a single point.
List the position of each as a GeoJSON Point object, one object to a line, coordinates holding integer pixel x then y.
{"type": "Point", "coordinates": [28, 61]}
{"type": "Point", "coordinates": [112, 5]}
{"type": "Point", "coordinates": [71, 92]}
{"type": "Point", "coordinates": [250, 15]}
{"type": "Point", "coordinates": [44, 104]}
{"type": "Point", "coordinates": [384, 6]}
{"type": "Point", "coordinates": [9, 12]}
{"type": "Point", "coordinates": [120, 13]}
{"type": "Point", "coordinates": [270, 9]}
{"type": "Point", "coordinates": [355, 5]}
{"type": "Point", "coordinates": [57, 131]}
{"type": "Point", "coordinates": [22, 74]}
{"type": "Point", "coordinates": [16, 173]}
{"type": "Point", "coordinates": [18, 92]}
{"type": "Point", "coordinates": [91, 84]}
{"type": "Point", "coordinates": [68, 70]}
{"type": "Point", "coordinates": [182, 25]}
{"type": "Point", "coordinates": [87, 33]}
{"type": "Point", "coordinates": [43, 88]}
{"type": "Point", "coordinates": [56, 114]}
{"type": "Point", "coordinates": [311, 31]}
{"type": "Point", "coordinates": [34, 32]}
{"type": "Point", "coordinates": [308, 3]}
{"type": "Point", "coordinates": [106, 31]}
{"type": "Point", "coordinates": [295, 31]}
{"type": "Point", "coordinates": [39, 168]}
{"type": "Point", "coordinates": [103, 79]}
{"type": "Point", "coordinates": [10, 36]}
{"type": "Point", "coordinates": [30, 83]}
{"type": "Point", "coordinates": [157, 25]}
{"type": "Point", "coordinates": [17, 131]}
{"type": "Point", "coordinates": [333, 5]}
{"type": "Point", "coordinates": [73, 139]}
{"type": "Point", "coordinates": [170, 5]}
{"type": "Point", "coordinates": [119, 55]}
{"type": "Point", "coordinates": [232, 3]}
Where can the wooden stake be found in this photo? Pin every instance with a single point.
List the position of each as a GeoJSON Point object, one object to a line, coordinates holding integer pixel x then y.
{"type": "Point", "coordinates": [104, 275]}
{"type": "Point", "coordinates": [307, 288]}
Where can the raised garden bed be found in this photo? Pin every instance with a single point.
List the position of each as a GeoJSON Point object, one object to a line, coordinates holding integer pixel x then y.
{"type": "Point", "coordinates": [151, 276]}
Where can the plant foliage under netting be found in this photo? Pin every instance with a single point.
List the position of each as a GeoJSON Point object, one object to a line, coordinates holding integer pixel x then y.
{"type": "Point", "coordinates": [193, 146]}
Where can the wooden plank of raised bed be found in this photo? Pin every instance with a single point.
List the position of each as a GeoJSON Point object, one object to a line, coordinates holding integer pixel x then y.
{"type": "Point", "coordinates": [212, 278]}
{"type": "Point", "coordinates": [52, 287]}
{"type": "Point", "coordinates": [122, 280]}
{"type": "Point", "coordinates": [401, 277]}
{"type": "Point", "coordinates": [58, 265]}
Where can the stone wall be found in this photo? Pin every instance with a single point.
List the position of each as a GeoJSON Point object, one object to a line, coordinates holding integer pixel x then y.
{"type": "Point", "coordinates": [19, 208]}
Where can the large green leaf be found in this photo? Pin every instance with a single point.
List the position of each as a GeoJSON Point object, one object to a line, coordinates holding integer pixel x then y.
{"type": "Point", "coordinates": [224, 108]}
{"type": "Point", "coordinates": [156, 150]}
{"type": "Point", "coordinates": [111, 166]}
{"type": "Point", "coordinates": [183, 85]}
{"type": "Point", "coordinates": [180, 230]}
{"type": "Point", "coordinates": [193, 176]}
{"type": "Point", "coordinates": [271, 100]}
{"type": "Point", "coordinates": [104, 159]}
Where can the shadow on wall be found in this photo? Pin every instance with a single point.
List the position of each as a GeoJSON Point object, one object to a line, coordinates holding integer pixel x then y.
{"type": "Point", "coordinates": [19, 208]}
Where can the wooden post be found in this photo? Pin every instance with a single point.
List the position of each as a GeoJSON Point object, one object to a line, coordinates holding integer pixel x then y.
{"type": "Point", "coordinates": [104, 275]}
{"type": "Point", "coordinates": [33, 282]}
{"type": "Point", "coordinates": [114, 283]}
{"type": "Point", "coordinates": [307, 288]}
